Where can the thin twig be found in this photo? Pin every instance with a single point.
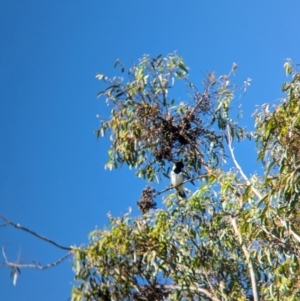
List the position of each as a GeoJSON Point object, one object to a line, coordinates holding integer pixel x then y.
{"type": "Point", "coordinates": [284, 244]}
{"type": "Point", "coordinates": [18, 226]}
{"type": "Point", "coordinates": [34, 266]}
{"type": "Point", "coordinates": [296, 236]}
{"type": "Point", "coordinates": [186, 181]}
{"type": "Point", "coordinates": [238, 166]}
{"type": "Point", "coordinates": [4, 255]}
{"type": "Point", "coordinates": [234, 223]}
{"type": "Point", "coordinates": [209, 283]}
{"type": "Point", "coordinates": [194, 288]}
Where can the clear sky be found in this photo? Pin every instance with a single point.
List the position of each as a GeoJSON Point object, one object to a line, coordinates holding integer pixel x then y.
{"type": "Point", "coordinates": [52, 178]}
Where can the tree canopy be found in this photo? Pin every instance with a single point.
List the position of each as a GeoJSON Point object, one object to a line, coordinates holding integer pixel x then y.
{"type": "Point", "coordinates": [235, 237]}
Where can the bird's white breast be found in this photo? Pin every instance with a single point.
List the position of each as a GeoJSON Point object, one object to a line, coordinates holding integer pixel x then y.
{"type": "Point", "coordinates": [176, 179]}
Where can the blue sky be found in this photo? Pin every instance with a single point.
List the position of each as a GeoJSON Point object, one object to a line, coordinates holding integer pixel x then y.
{"type": "Point", "coordinates": [52, 178]}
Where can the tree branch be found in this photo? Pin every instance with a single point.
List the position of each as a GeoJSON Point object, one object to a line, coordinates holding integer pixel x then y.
{"type": "Point", "coordinates": [194, 288]}
{"type": "Point", "coordinates": [33, 266]}
{"type": "Point", "coordinates": [172, 187]}
{"type": "Point", "coordinates": [238, 166]}
{"type": "Point", "coordinates": [296, 236]}
{"type": "Point", "coordinates": [234, 224]}
{"type": "Point", "coordinates": [250, 263]}
{"type": "Point", "coordinates": [209, 283]}
{"type": "Point", "coordinates": [18, 226]}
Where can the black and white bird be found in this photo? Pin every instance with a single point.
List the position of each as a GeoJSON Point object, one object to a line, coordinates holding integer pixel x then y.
{"type": "Point", "coordinates": [177, 177]}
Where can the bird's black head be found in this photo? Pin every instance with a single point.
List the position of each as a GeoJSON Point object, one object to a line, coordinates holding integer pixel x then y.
{"type": "Point", "coordinates": [179, 166]}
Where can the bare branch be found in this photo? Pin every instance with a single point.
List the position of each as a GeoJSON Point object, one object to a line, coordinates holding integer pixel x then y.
{"type": "Point", "coordinates": [186, 181]}
{"type": "Point", "coordinates": [209, 283]}
{"type": "Point", "coordinates": [296, 237]}
{"type": "Point", "coordinates": [195, 288]}
{"type": "Point", "coordinates": [284, 244]}
{"type": "Point", "coordinates": [238, 166]}
{"type": "Point", "coordinates": [4, 255]}
{"type": "Point", "coordinates": [33, 266]}
{"type": "Point", "coordinates": [248, 258]}
{"type": "Point", "coordinates": [18, 226]}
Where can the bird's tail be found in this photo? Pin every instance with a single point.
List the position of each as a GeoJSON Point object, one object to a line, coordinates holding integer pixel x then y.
{"type": "Point", "coordinates": [181, 193]}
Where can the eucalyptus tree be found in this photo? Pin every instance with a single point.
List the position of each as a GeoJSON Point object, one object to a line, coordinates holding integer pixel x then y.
{"type": "Point", "coordinates": [236, 237]}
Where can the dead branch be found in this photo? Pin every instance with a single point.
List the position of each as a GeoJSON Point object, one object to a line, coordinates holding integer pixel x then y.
{"type": "Point", "coordinates": [17, 265]}
{"type": "Point", "coordinates": [18, 226]}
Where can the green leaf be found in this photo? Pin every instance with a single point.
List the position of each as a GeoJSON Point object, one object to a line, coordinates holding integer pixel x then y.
{"type": "Point", "coordinates": [183, 67]}
{"type": "Point", "coordinates": [117, 63]}
{"type": "Point", "coordinates": [288, 68]}
{"type": "Point", "coordinates": [100, 76]}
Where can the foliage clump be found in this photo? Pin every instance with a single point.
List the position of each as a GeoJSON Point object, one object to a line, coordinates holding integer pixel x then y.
{"type": "Point", "coordinates": [150, 128]}
{"type": "Point", "coordinates": [146, 203]}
